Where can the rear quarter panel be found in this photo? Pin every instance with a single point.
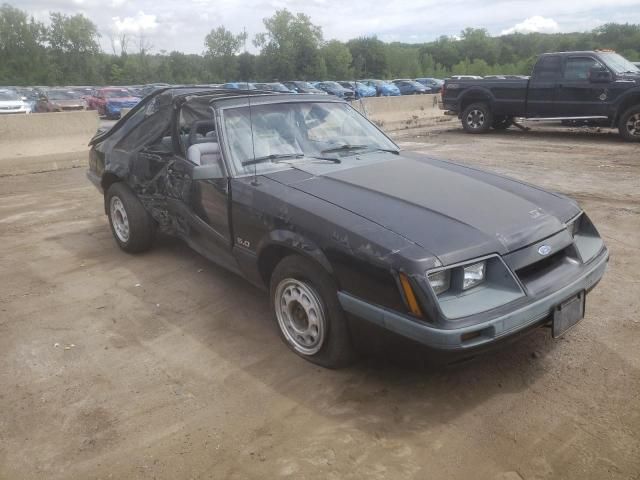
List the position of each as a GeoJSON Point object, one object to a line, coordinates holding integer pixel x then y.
{"type": "Point", "coordinates": [506, 97]}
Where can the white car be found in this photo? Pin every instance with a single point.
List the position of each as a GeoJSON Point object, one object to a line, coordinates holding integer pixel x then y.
{"type": "Point", "coordinates": [11, 102]}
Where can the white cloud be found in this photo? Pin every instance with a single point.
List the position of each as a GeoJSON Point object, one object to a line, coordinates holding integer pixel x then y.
{"type": "Point", "coordinates": [534, 24]}
{"type": "Point", "coordinates": [141, 22]}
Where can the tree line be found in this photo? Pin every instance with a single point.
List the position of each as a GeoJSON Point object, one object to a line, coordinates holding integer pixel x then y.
{"type": "Point", "coordinates": [66, 51]}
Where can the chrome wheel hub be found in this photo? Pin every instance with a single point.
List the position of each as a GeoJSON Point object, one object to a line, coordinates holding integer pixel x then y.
{"type": "Point", "coordinates": [300, 315]}
{"type": "Point", "coordinates": [119, 219]}
{"type": "Point", "coordinates": [633, 124]}
{"type": "Point", "coordinates": [475, 118]}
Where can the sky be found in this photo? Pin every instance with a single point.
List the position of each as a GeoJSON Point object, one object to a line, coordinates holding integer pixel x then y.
{"type": "Point", "coordinates": [168, 25]}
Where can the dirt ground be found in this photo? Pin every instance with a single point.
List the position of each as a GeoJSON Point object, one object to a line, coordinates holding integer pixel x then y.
{"type": "Point", "coordinates": [164, 366]}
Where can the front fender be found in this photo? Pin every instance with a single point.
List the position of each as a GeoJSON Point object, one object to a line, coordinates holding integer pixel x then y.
{"type": "Point", "coordinates": [626, 100]}
{"type": "Point", "coordinates": [295, 242]}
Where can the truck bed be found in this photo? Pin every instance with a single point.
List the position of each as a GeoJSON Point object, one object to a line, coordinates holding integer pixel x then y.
{"type": "Point", "coordinates": [510, 95]}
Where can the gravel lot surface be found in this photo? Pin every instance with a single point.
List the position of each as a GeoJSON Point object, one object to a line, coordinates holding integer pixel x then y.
{"type": "Point", "coordinates": [165, 366]}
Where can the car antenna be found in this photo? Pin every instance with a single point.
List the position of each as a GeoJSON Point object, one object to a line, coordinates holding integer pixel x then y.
{"type": "Point", "coordinates": [254, 182]}
{"type": "Point", "coordinates": [363, 107]}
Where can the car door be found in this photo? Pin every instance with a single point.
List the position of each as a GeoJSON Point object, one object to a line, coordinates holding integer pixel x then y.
{"type": "Point", "coordinates": [541, 91]}
{"type": "Point", "coordinates": [199, 198]}
{"type": "Point", "coordinates": [577, 94]}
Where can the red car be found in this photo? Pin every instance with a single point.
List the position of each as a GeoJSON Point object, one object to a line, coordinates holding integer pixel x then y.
{"type": "Point", "coordinates": [109, 101]}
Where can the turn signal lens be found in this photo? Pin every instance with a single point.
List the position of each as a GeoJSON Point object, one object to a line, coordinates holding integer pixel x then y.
{"type": "Point", "coordinates": [412, 301]}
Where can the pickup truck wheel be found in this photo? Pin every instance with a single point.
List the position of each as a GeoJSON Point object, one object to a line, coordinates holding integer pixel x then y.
{"type": "Point", "coordinates": [309, 317]}
{"type": "Point", "coordinates": [629, 125]}
{"type": "Point", "coordinates": [477, 118]}
{"type": "Point", "coordinates": [502, 123]}
{"type": "Point", "coordinates": [131, 225]}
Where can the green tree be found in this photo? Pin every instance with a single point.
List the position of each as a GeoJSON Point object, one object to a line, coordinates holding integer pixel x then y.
{"type": "Point", "coordinates": [222, 47]}
{"type": "Point", "coordinates": [369, 57]}
{"type": "Point", "coordinates": [337, 58]}
{"type": "Point", "coordinates": [22, 53]}
{"type": "Point", "coordinates": [290, 47]}
{"type": "Point", "coordinates": [73, 46]}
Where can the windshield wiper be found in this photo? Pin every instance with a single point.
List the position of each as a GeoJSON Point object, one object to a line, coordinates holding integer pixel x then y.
{"type": "Point", "coordinates": [328, 159]}
{"type": "Point", "coordinates": [347, 147]}
{"type": "Point", "coordinates": [344, 147]}
{"type": "Point", "coordinates": [272, 157]}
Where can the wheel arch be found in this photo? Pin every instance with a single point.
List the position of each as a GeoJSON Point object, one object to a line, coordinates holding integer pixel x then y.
{"type": "Point", "coordinates": [108, 179]}
{"type": "Point", "coordinates": [281, 243]}
{"type": "Point", "coordinates": [474, 95]}
{"type": "Point", "coordinates": [630, 99]}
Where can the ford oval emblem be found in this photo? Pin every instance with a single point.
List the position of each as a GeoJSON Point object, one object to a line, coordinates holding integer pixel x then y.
{"type": "Point", "coordinates": [544, 250]}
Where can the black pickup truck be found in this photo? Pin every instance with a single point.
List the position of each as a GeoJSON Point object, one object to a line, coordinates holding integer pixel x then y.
{"type": "Point", "coordinates": [597, 86]}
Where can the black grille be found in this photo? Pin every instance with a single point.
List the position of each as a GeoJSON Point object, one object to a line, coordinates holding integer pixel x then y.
{"type": "Point", "coordinates": [542, 267]}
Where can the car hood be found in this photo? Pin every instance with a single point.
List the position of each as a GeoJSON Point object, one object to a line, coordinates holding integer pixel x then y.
{"type": "Point", "coordinates": [454, 212]}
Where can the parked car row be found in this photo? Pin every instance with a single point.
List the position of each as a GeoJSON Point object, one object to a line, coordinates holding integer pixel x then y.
{"type": "Point", "coordinates": [349, 89]}
{"type": "Point", "coordinates": [108, 101]}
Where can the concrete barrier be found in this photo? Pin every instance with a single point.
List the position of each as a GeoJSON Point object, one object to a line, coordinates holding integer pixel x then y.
{"type": "Point", "coordinates": [400, 113]}
{"type": "Point", "coordinates": [37, 125]}
{"type": "Point", "coordinates": [45, 141]}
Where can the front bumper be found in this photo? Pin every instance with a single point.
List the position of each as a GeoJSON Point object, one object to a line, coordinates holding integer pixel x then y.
{"type": "Point", "coordinates": [537, 312]}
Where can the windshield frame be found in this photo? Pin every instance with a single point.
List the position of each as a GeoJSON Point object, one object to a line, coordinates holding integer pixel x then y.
{"type": "Point", "coordinates": [608, 57]}
{"type": "Point", "coordinates": [221, 107]}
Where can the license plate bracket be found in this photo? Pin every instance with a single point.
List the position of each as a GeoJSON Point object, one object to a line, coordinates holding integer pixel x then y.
{"type": "Point", "coordinates": [568, 314]}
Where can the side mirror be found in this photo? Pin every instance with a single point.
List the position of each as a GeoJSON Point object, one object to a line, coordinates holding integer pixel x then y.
{"type": "Point", "coordinates": [600, 75]}
{"type": "Point", "coordinates": [206, 172]}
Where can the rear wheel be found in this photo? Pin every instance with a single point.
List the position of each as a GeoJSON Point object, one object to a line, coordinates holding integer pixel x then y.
{"type": "Point", "coordinates": [131, 224]}
{"type": "Point", "coordinates": [629, 124]}
{"type": "Point", "coordinates": [477, 118]}
{"type": "Point", "coordinates": [309, 317]}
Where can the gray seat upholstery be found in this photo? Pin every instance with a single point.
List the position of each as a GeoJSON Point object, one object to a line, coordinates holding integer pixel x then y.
{"type": "Point", "coordinates": [204, 153]}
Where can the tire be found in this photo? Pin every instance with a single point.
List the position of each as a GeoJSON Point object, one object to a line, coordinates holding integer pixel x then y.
{"type": "Point", "coordinates": [502, 123]}
{"type": "Point", "coordinates": [629, 124]}
{"type": "Point", "coordinates": [131, 225]}
{"type": "Point", "coordinates": [312, 322]}
{"type": "Point", "coordinates": [477, 118]}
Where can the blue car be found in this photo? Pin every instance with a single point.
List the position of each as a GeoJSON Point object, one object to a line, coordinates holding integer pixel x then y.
{"type": "Point", "coordinates": [273, 87]}
{"type": "Point", "coordinates": [410, 87]}
{"type": "Point", "coordinates": [302, 87]}
{"type": "Point", "coordinates": [435, 84]}
{"type": "Point", "coordinates": [383, 89]}
{"type": "Point", "coordinates": [361, 90]}
{"type": "Point", "coordinates": [334, 88]}
{"type": "Point", "coordinates": [239, 85]}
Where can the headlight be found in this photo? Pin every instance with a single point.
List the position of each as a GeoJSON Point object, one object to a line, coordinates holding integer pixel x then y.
{"type": "Point", "coordinates": [473, 275]}
{"type": "Point", "coordinates": [440, 281]}
{"type": "Point", "coordinates": [474, 286]}
{"type": "Point", "coordinates": [458, 279]}
{"type": "Point", "coordinates": [574, 225]}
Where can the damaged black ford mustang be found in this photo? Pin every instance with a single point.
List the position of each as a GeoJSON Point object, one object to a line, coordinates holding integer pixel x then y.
{"type": "Point", "coordinates": [303, 196]}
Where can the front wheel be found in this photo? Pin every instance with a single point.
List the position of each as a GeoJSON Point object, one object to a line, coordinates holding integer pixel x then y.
{"type": "Point", "coordinates": [629, 124]}
{"type": "Point", "coordinates": [131, 224]}
{"type": "Point", "coordinates": [308, 315]}
{"type": "Point", "coordinates": [477, 118]}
